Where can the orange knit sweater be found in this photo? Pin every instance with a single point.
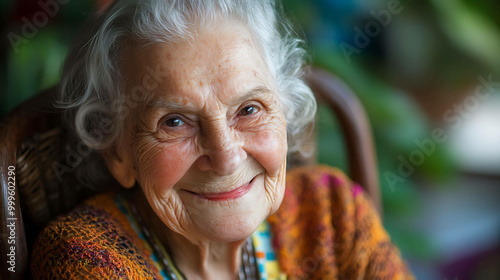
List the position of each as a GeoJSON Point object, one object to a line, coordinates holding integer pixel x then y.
{"type": "Point", "coordinates": [326, 228]}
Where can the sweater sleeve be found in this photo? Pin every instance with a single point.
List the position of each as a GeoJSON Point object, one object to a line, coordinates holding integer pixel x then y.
{"type": "Point", "coordinates": [94, 241]}
{"type": "Point", "coordinates": [327, 228]}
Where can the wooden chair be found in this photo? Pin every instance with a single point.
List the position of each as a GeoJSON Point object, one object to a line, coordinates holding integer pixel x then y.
{"type": "Point", "coordinates": [32, 141]}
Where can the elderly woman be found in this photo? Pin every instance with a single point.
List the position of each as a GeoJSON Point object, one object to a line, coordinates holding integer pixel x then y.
{"type": "Point", "coordinates": [192, 106]}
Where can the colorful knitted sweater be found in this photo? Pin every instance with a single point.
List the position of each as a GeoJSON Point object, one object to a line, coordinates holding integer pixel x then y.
{"type": "Point", "coordinates": [326, 228]}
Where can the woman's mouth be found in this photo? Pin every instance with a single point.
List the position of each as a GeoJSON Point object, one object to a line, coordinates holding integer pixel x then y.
{"type": "Point", "coordinates": [233, 194]}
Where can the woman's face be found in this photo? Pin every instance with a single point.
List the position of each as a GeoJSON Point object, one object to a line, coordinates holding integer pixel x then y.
{"type": "Point", "coordinates": [205, 137]}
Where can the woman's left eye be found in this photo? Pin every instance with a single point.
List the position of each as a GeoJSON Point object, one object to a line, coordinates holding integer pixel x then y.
{"type": "Point", "coordinates": [248, 110]}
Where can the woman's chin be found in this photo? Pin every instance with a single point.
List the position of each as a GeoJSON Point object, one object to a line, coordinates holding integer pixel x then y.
{"type": "Point", "coordinates": [230, 225]}
{"type": "Point", "coordinates": [231, 232]}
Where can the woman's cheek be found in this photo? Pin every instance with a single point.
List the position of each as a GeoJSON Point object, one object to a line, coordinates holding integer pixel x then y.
{"type": "Point", "coordinates": [269, 148]}
{"type": "Point", "coordinates": [165, 166]}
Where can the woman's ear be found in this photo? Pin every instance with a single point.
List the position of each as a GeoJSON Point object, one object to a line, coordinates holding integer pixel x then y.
{"type": "Point", "coordinates": [120, 168]}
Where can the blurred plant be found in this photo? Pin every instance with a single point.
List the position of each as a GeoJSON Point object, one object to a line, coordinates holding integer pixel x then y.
{"type": "Point", "coordinates": [37, 63]}
{"type": "Point", "coordinates": [471, 27]}
{"type": "Point", "coordinates": [36, 66]}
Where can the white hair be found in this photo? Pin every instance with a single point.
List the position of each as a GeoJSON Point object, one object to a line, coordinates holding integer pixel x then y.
{"type": "Point", "coordinates": [91, 88]}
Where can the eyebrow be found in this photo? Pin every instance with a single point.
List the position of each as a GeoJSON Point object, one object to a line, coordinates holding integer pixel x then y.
{"type": "Point", "coordinates": [165, 104]}
{"type": "Point", "coordinates": [255, 92]}
{"type": "Point", "coordinates": [172, 105]}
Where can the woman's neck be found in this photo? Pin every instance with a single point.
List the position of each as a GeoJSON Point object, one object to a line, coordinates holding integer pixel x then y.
{"type": "Point", "coordinates": [196, 259]}
{"type": "Point", "coordinates": [204, 260]}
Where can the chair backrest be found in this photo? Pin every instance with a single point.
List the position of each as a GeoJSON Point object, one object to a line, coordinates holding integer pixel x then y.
{"type": "Point", "coordinates": [34, 155]}
{"type": "Point", "coordinates": [15, 129]}
{"type": "Point", "coordinates": [356, 130]}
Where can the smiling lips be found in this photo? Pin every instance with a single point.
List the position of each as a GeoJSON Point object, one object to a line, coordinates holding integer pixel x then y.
{"type": "Point", "coordinates": [234, 194]}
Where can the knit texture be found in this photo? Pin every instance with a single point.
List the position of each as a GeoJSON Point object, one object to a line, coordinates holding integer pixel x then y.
{"type": "Point", "coordinates": [326, 228]}
{"type": "Point", "coordinates": [94, 241]}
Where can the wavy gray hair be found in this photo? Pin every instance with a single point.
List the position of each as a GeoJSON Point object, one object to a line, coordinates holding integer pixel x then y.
{"type": "Point", "coordinates": [92, 93]}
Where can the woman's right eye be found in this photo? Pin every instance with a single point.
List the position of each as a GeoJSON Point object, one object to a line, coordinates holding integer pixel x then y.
{"type": "Point", "coordinates": [174, 122]}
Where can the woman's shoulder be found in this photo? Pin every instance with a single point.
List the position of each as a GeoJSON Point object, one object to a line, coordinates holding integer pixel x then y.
{"type": "Point", "coordinates": [95, 240]}
{"type": "Point", "coordinates": [327, 227]}
{"type": "Point", "coordinates": [315, 178]}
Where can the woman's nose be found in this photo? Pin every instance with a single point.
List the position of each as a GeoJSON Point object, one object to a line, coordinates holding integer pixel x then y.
{"type": "Point", "coordinates": [222, 151]}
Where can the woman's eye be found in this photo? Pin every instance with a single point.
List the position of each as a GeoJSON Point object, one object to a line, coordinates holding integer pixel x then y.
{"type": "Point", "coordinates": [174, 122]}
{"type": "Point", "coordinates": [249, 110]}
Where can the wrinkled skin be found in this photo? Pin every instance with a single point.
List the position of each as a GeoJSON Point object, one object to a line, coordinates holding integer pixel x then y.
{"type": "Point", "coordinates": [212, 124]}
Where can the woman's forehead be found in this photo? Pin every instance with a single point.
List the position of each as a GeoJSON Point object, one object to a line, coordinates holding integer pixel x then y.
{"type": "Point", "coordinates": [224, 60]}
{"type": "Point", "coordinates": [215, 49]}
